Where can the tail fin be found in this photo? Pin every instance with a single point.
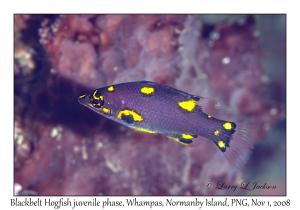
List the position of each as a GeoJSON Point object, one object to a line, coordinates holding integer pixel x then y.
{"type": "Point", "coordinates": [240, 146]}
{"type": "Point", "coordinates": [236, 141]}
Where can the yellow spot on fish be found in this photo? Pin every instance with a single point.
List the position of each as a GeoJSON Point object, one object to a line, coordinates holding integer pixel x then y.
{"type": "Point", "coordinates": [208, 116]}
{"type": "Point", "coordinates": [221, 144]}
{"type": "Point", "coordinates": [111, 88]}
{"type": "Point", "coordinates": [147, 90]}
{"type": "Point", "coordinates": [82, 96]}
{"type": "Point", "coordinates": [143, 130]}
{"type": "Point", "coordinates": [177, 140]}
{"type": "Point", "coordinates": [227, 126]}
{"type": "Point", "coordinates": [216, 132]}
{"type": "Point", "coordinates": [136, 117]}
{"type": "Point", "coordinates": [94, 94]}
{"type": "Point", "coordinates": [187, 136]}
{"type": "Point", "coordinates": [98, 98]}
{"type": "Point", "coordinates": [187, 105]}
{"type": "Point", "coordinates": [105, 110]}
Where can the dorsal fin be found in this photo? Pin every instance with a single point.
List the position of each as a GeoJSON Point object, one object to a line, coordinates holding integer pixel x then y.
{"type": "Point", "coordinates": [208, 105]}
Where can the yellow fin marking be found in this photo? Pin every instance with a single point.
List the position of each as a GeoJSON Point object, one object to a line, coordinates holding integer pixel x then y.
{"type": "Point", "coordinates": [227, 126]}
{"type": "Point", "coordinates": [105, 110]}
{"type": "Point", "coordinates": [82, 96]}
{"type": "Point", "coordinates": [136, 117]}
{"type": "Point", "coordinates": [111, 88]}
{"type": "Point", "coordinates": [187, 105]}
{"type": "Point", "coordinates": [147, 90]}
{"type": "Point", "coordinates": [216, 132]}
{"type": "Point", "coordinates": [208, 116]}
{"type": "Point", "coordinates": [187, 136]}
{"type": "Point", "coordinates": [177, 140]}
{"type": "Point", "coordinates": [221, 144]}
{"type": "Point", "coordinates": [143, 130]}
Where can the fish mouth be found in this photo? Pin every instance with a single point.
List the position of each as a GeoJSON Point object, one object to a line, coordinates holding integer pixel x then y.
{"type": "Point", "coordinates": [84, 100]}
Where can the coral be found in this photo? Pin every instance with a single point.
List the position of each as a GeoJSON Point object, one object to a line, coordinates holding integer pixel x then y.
{"type": "Point", "coordinates": [62, 148]}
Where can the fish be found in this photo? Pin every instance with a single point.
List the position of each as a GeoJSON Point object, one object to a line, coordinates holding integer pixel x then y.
{"type": "Point", "coordinates": [154, 108]}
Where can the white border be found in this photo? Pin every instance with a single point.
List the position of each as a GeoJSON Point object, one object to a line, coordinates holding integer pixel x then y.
{"type": "Point", "coordinates": [8, 8]}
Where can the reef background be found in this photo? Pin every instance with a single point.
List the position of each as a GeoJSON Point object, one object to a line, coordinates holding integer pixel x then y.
{"type": "Point", "coordinates": [62, 148]}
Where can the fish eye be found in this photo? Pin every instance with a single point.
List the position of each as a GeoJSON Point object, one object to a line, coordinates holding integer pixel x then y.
{"type": "Point", "coordinates": [96, 99]}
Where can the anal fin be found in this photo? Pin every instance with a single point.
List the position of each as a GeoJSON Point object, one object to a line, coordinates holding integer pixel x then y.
{"type": "Point", "coordinates": [185, 142]}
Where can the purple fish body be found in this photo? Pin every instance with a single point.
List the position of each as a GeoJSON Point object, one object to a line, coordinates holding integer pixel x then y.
{"type": "Point", "coordinates": [154, 108]}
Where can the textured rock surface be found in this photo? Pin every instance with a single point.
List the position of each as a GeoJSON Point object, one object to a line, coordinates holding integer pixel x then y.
{"type": "Point", "coordinates": [62, 148]}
